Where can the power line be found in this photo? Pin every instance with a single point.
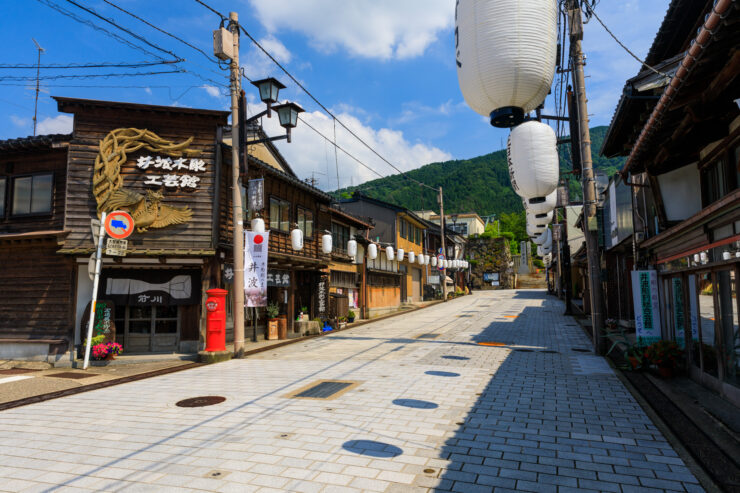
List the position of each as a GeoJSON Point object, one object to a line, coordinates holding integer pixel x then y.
{"type": "Point", "coordinates": [285, 71]}
{"type": "Point", "coordinates": [160, 30]}
{"type": "Point", "coordinates": [57, 66]}
{"type": "Point", "coordinates": [88, 23]}
{"type": "Point", "coordinates": [91, 76]}
{"type": "Point", "coordinates": [591, 11]}
{"type": "Point", "coordinates": [111, 22]}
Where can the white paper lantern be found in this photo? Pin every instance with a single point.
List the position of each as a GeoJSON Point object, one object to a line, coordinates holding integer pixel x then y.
{"type": "Point", "coordinates": [539, 250]}
{"type": "Point", "coordinates": [412, 257]}
{"type": "Point", "coordinates": [389, 253]}
{"type": "Point", "coordinates": [400, 255]}
{"type": "Point", "coordinates": [326, 245]}
{"type": "Point", "coordinates": [546, 249]}
{"type": "Point", "coordinates": [540, 239]}
{"type": "Point", "coordinates": [420, 259]}
{"type": "Point", "coordinates": [296, 239]}
{"type": "Point", "coordinates": [352, 248]}
{"type": "Point", "coordinates": [532, 230]}
{"type": "Point", "coordinates": [544, 218]}
{"type": "Point", "coordinates": [258, 225]}
{"type": "Point", "coordinates": [505, 55]}
{"type": "Point", "coordinates": [533, 160]}
{"type": "Point", "coordinates": [372, 251]}
{"type": "Point", "coordinates": [538, 207]}
{"type": "Point", "coordinates": [548, 239]}
{"type": "Point", "coordinates": [433, 260]}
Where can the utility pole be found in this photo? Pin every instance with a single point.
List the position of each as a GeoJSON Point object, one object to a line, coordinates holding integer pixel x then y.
{"type": "Point", "coordinates": [236, 196]}
{"type": "Point", "coordinates": [38, 73]}
{"type": "Point", "coordinates": [588, 183]}
{"type": "Point", "coordinates": [443, 275]}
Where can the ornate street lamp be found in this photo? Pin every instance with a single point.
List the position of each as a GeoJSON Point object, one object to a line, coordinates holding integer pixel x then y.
{"type": "Point", "coordinates": [268, 89]}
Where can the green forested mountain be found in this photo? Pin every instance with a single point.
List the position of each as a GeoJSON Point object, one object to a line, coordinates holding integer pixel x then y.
{"type": "Point", "coordinates": [479, 184]}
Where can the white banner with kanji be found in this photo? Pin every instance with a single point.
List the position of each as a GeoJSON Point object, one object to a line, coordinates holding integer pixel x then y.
{"type": "Point", "coordinates": [255, 268]}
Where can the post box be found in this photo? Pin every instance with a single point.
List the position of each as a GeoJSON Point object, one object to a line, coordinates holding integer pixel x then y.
{"type": "Point", "coordinates": [216, 320]}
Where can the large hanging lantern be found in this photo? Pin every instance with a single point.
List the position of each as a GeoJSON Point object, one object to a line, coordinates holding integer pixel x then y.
{"type": "Point", "coordinates": [296, 239]}
{"type": "Point", "coordinates": [538, 207]}
{"type": "Point", "coordinates": [505, 52]}
{"type": "Point", "coordinates": [326, 245]}
{"type": "Point", "coordinates": [533, 160]}
{"type": "Point", "coordinates": [352, 248]}
{"type": "Point", "coordinates": [412, 257]}
{"type": "Point", "coordinates": [389, 253]}
{"type": "Point", "coordinates": [420, 259]}
{"type": "Point", "coordinates": [548, 239]}
{"type": "Point", "coordinates": [539, 251]}
{"type": "Point", "coordinates": [540, 239]}
{"type": "Point", "coordinates": [433, 260]}
{"type": "Point", "coordinates": [258, 225]}
{"type": "Point", "coordinates": [400, 254]}
{"type": "Point", "coordinates": [539, 221]}
{"type": "Point", "coordinates": [372, 251]}
{"type": "Point", "coordinates": [532, 230]}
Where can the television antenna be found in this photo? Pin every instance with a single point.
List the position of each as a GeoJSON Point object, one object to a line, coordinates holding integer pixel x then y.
{"type": "Point", "coordinates": [38, 71]}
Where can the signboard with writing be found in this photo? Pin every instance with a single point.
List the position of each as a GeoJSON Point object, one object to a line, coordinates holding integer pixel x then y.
{"type": "Point", "coordinates": [228, 273]}
{"type": "Point", "coordinates": [255, 268]}
{"type": "Point", "coordinates": [693, 308]}
{"type": "Point", "coordinates": [490, 276]}
{"type": "Point", "coordinates": [433, 279]}
{"type": "Point", "coordinates": [679, 322]}
{"type": "Point", "coordinates": [256, 194]}
{"type": "Point", "coordinates": [152, 287]}
{"type": "Point", "coordinates": [322, 297]}
{"type": "Point", "coordinates": [104, 324]}
{"type": "Point", "coordinates": [116, 247]}
{"type": "Point", "coordinates": [278, 278]}
{"type": "Point", "coordinates": [647, 307]}
{"type": "Point", "coordinates": [169, 173]}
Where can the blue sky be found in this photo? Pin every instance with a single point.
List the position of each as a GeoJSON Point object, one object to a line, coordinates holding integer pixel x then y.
{"type": "Point", "coordinates": [384, 67]}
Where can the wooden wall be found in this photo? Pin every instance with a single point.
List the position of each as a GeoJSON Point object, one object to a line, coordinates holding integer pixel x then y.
{"type": "Point", "coordinates": [92, 125]}
{"type": "Point", "coordinates": [36, 291]}
{"type": "Point", "coordinates": [29, 162]}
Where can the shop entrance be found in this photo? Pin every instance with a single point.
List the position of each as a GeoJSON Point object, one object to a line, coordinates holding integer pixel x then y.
{"type": "Point", "coordinates": [144, 329]}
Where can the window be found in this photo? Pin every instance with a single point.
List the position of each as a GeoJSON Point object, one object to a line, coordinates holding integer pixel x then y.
{"type": "Point", "coordinates": [3, 181]}
{"type": "Point", "coordinates": [32, 194]}
{"type": "Point", "coordinates": [305, 222]}
{"type": "Point", "coordinates": [404, 231]}
{"type": "Point", "coordinates": [279, 214]}
{"type": "Point", "coordinates": [339, 236]}
{"type": "Point", "coordinates": [418, 236]}
{"type": "Point", "coordinates": [720, 177]}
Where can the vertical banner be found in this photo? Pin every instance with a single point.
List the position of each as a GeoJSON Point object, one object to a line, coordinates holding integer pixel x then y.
{"type": "Point", "coordinates": [647, 306]}
{"type": "Point", "coordinates": [256, 194]}
{"type": "Point", "coordinates": [693, 308]}
{"type": "Point", "coordinates": [679, 319]}
{"type": "Point", "coordinates": [255, 268]}
{"type": "Point", "coordinates": [322, 297]}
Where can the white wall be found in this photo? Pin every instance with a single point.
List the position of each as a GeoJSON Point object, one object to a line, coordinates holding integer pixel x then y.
{"type": "Point", "coordinates": [681, 191]}
{"type": "Point", "coordinates": [84, 295]}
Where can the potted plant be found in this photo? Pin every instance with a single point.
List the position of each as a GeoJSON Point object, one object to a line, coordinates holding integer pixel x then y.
{"type": "Point", "coordinates": [351, 316]}
{"type": "Point", "coordinates": [304, 314]}
{"type": "Point", "coordinates": [106, 351]}
{"type": "Point", "coordinates": [665, 355]}
{"type": "Point", "coordinates": [632, 352]}
{"type": "Point", "coordinates": [272, 322]}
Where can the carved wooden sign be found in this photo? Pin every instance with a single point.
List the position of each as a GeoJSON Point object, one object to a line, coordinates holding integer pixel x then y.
{"type": "Point", "coordinates": [148, 210]}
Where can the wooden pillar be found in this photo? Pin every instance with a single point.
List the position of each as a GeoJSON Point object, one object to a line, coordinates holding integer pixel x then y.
{"type": "Point", "coordinates": [291, 303]}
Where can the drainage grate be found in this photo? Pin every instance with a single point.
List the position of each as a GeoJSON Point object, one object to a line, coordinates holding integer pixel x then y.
{"type": "Point", "coordinates": [430, 335]}
{"type": "Point", "coordinates": [580, 349]}
{"type": "Point", "coordinates": [324, 389]}
{"type": "Point", "coordinates": [523, 350]}
{"type": "Point", "coordinates": [16, 371]}
{"type": "Point", "coordinates": [207, 400]}
{"type": "Point", "coordinates": [71, 374]}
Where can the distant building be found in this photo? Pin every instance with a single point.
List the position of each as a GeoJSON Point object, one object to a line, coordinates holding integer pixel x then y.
{"type": "Point", "coordinates": [466, 224]}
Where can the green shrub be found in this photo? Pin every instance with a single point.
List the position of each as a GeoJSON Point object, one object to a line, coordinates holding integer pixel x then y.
{"type": "Point", "coordinates": [538, 263]}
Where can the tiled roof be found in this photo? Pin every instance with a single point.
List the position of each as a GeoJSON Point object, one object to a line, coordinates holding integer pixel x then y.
{"type": "Point", "coordinates": [34, 142]}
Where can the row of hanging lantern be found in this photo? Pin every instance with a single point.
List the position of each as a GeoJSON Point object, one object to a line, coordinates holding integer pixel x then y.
{"type": "Point", "coordinates": [296, 238]}
{"type": "Point", "coordinates": [505, 55]}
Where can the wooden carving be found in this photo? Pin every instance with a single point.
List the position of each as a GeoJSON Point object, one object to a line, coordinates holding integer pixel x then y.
{"type": "Point", "coordinates": [109, 192]}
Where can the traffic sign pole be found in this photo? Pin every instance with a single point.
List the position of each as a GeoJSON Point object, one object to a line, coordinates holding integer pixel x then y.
{"type": "Point", "coordinates": [96, 280]}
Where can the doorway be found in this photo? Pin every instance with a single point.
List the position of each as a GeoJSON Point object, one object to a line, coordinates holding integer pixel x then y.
{"type": "Point", "coordinates": [151, 328]}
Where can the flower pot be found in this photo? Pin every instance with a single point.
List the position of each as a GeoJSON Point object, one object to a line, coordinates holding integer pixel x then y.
{"type": "Point", "coordinates": [110, 356]}
{"type": "Point", "coordinates": [272, 329]}
{"type": "Point", "coordinates": [350, 319]}
{"type": "Point", "coordinates": [665, 371]}
{"type": "Point", "coordinates": [282, 326]}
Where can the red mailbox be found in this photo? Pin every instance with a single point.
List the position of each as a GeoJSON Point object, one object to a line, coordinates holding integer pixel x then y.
{"type": "Point", "coordinates": [216, 320]}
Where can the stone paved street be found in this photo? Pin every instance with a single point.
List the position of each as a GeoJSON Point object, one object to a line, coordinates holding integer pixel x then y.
{"type": "Point", "coordinates": [432, 410]}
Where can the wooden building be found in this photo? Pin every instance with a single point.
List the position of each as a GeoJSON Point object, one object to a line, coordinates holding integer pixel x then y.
{"type": "Point", "coordinates": [681, 136]}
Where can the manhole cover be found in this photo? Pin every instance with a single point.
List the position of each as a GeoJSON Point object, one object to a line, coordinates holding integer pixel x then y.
{"type": "Point", "coordinates": [430, 335]}
{"type": "Point", "coordinates": [581, 350]}
{"type": "Point", "coordinates": [491, 343]}
{"type": "Point", "coordinates": [71, 374]}
{"type": "Point", "coordinates": [523, 350]}
{"type": "Point", "coordinates": [16, 371]}
{"type": "Point", "coordinates": [207, 400]}
{"type": "Point", "coordinates": [324, 389]}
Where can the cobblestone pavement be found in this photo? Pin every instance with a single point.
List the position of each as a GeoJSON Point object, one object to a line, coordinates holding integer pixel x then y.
{"type": "Point", "coordinates": [431, 410]}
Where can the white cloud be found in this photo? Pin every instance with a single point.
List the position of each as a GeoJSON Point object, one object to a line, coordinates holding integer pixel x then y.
{"type": "Point", "coordinates": [19, 121]}
{"type": "Point", "coordinates": [61, 124]}
{"type": "Point", "coordinates": [308, 152]}
{"type": "Point", "coordinates": [147, 90]}
{"type": "Point", "coordinates": [212, 91]}
{"type": "Point", "coordinates": [383, 29]}
{"type": "Point", "coordinates": [277, 49]}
